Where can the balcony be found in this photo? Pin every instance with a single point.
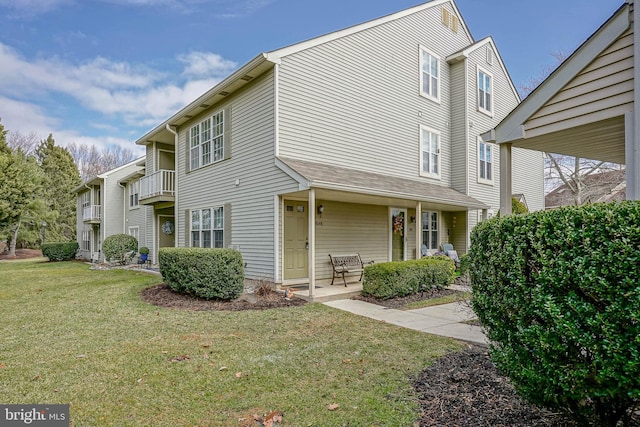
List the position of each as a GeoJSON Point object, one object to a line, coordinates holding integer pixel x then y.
{"type": "Point", "coordinates": [158, 188]}
{"type": "Point", "coordinates": [92, 214]}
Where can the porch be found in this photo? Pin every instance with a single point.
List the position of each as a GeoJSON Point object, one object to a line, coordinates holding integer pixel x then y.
{"type": "Point", "coordinates": [343, 211]}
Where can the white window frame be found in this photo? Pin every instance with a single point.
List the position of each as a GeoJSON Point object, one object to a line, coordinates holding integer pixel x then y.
{"type": "Point", "coordinates": [85, 200]}
{"type": "Point", "coordinates": [134, 194]}
{"type": "Point", "coordinates": [427, 227]}
{"type": "Point", "coordinates": [135, 232]}
{"type": "Point", "coordinates": [206, 141]}
{"type": "Point", "coordinates": [485, 105]}
{"type": "Point", "coordinates": [86, 239]}
{"type": "Point", "coordinates": [424, 52]}
{"type": "Point", "coordinates": [489, 166]}
{"type": "Point", "coordinates": [431, 173]}
{"type": "Point", "coordinates": [210, 233]}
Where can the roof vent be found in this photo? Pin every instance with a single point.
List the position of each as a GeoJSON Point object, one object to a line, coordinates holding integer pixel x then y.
{"type": "Point", "coordinates": [223, 93]}
{"type": "Point", "coordinates": [246, 78]}
{"type": "Point", "coordinates": [188, 116]}
{"type": "Point", "coordinates": [205, 105]}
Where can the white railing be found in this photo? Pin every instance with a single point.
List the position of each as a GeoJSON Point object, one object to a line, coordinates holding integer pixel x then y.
{"type": "Point", "coordinates": [93, 212]}
{"type": "Point", "coordinates": [160, 183]}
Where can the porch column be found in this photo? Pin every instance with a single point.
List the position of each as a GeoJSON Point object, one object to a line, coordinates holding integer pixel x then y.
{"type": "Point", "coordinates": [632, 149]}
{"type": "Point", "coordinates": [418, 230]}
{"type": "Point", "coordinates": [505, 179]}
{"type": "Point", "coordinates": [312, 242]}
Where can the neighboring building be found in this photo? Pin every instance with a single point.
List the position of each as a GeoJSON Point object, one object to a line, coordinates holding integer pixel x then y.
{"type": "Point", "coordinates": [363, 140]}
{"type": "Point", "coordinates": [588, 107]}
{"type": "Point", "coordinates": [609, 186]}
{"type": "Point", "coordinates": [109, 204]}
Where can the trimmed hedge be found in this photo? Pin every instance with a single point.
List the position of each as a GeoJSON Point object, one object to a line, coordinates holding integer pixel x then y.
{"type": "Point", "coordinates": [205, 273]}
{"type": "Point", "coordinates": [117, 246]}
{"type": "Point", "coordinates": [558, 294]}
{"type": "Point", "coordinates": [60, 251]}
{"type": "Point", "coordinates": [398, 279]}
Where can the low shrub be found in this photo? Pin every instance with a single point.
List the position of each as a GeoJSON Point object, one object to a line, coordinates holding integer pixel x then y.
{"type": "Point", "coordinates": [119, 248]}
{"type": "Point", "coordinates": [205, 273]}
{"type": "Point", "coordinates": [60, 251]}
{"type": "Point", "coordinates": [558, 294]}
{"type": "Point", "coordinates": [398, 279]}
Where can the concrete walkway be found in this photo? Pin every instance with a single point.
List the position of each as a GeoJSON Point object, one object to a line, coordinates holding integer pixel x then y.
{"type": "Point", "coordinates": [445, 320]}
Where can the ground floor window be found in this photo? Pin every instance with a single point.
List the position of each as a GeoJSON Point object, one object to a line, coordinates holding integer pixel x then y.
{"type": "Point", "coordinates": [430, 229]}
{"type": "Point", "coordinates": [135, 232]}
{"type": "Point", "coordinates": [86, 240]}
{"type": "Point", "coordinates": [207, 228]}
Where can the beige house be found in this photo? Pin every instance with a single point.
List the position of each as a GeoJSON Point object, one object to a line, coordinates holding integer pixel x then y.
{"type": "Point", "coordinates": [365, 140]}
{"type": "Point", "coordinates": [586, 108]}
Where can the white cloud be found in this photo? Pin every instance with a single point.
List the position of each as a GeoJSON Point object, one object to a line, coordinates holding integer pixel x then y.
{"type": "Point", "coordinates": [206, 64]}
{"type": "Point", "coordinates": [25, 117]}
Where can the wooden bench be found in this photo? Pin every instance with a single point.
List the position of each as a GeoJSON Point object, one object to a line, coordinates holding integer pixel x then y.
{"type": "Point", "coordinates": [342, 264]}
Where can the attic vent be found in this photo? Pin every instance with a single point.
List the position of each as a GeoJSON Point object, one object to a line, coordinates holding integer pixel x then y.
{"type": "Point", "coordinates": [489, 55]}
{"type": "Point", "coordinates": [450, 20]}
{"type": "Point", "coordinates": [187, 116]}
{"type": "Point", "coordinates": [205, 105]}
{"type": "Point", "coordinates": [224, 93]}
{"type": "Point", "coordinates": [246, 78]}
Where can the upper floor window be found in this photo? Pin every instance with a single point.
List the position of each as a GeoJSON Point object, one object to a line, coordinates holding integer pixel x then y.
{"type": "Point", "coordinates": [485, 162]}
{"type": "Point", "coordinates": [206, 141]}
{"type": "Point", "coordinates": [429, 75]}
{"type": "Point", "coordinates": [134, 193]}
{"type": "Point", "coordinates": [86, 199]}
{"type": "Point", "coordinates": [485, 92]}
{"type": "Point", "coordinates": [207, 228]}
{"type": "Point", "coordinates": [429, 152]}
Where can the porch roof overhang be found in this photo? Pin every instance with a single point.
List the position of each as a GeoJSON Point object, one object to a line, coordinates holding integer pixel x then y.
{"type": "Point", "coordinates": [340, 180]}
{"type": "Point", "coordinates": [599, 135]}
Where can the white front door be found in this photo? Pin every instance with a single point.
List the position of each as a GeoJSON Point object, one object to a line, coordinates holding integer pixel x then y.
{"type": "Point", "coordinates": [398, 234]}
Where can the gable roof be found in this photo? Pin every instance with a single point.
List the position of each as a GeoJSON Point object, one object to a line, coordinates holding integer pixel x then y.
{"type": "Point", "coordinates": [276, 55]}
{"type": "Point", "coordinates": [512, 126]}
{"type": "Point", "coordinates": [264, 62]}
{"type": "Point", "coordinates": [464, 53]}
{"type": "Point", "coordinates": [336, 178]}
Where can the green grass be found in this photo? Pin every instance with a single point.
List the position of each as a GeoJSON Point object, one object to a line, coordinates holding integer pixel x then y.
{"type": "Point", "coordinates": [458, 296]}
{"type": "Point", "coordinates": [72, 335]}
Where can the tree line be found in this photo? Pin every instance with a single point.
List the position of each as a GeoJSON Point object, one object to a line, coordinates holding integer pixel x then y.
{"type": "Point", "coordinates": [37, 179]}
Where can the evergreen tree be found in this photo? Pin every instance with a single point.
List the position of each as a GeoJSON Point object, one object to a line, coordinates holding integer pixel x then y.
{"type": "Point", "coordinates": [4, 148]}
{"type": "Point", "coordinates": [20, 187]}
{"type": "Point", "coordinates": [60, 177]}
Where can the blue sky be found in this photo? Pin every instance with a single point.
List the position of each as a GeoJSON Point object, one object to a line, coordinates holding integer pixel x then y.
{"type": "Point", "coordinates": [106, 71]}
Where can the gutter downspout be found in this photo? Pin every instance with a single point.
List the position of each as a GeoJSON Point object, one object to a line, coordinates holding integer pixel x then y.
{"type": "Point", "coordinates": [124, 208]}
{"type": "Point", "coordinates": [176, 216]}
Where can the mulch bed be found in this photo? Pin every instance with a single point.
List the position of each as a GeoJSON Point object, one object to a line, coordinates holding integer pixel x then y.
{"type": "Point", "coordinates": [163, 296]}
{"type": "Point", "coordinates": [464, 389]}
{"type": "Point", "coordinates": [21, 254]}
{"type": "Point", "coordinates": [400, 302]}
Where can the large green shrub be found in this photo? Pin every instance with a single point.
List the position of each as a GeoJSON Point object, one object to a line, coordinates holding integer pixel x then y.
{"type": "Point", "coordinates": [558, 294]}
{"type": "Point", "coordinates": [119, 248]}
{"type": "Point", "coordinates": [399, 279]}
{"type": "Point", "coordinates": [60, 251]}
{"type": "Point", "coordinates": [205, 273]}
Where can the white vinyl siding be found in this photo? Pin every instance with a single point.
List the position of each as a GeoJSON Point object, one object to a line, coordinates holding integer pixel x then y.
{"type": "Point", "coordinates": [429, 75]}
{"type": "Point", "coordinates": [206, 141]}
{"type": "Point", "coordinates": [485, 92]}
{"type": "Point", "coordinates": [485, 162]}
{"type": "Point", "coordinates": [429, 152]}
{"type": "Point", "coordinates": [339, 95]}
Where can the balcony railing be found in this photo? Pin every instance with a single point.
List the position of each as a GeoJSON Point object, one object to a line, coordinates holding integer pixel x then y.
{"type": "Point", "coordinates": [92, 213]}
{"type": "Point", "coordinates": [160, 183]}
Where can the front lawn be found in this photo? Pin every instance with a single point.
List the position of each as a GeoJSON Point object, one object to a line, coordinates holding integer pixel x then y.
{"type": "Point", "coordinates": [72, 335]}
